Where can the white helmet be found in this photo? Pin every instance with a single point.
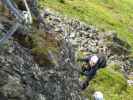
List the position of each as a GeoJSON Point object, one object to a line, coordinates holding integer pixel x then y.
{"type": "Point", "coordinates": [93, 60]}
{"type": "Point", "coordinates": [98, 95]}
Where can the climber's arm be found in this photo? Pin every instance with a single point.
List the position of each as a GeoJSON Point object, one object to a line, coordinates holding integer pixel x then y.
{"type": "Point", "coordinates": [85, 59]}
{"type": "Point", "coordinates": [90, 73]}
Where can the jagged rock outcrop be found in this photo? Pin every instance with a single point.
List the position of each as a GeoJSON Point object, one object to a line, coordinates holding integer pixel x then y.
{"type": "Point", "coordinates": [90, 39]}
{"type": "Point", "coordinates": [22, 78]}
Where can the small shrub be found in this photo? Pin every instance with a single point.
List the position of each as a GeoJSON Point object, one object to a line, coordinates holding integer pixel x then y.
{"type": "Point", "coordinates": [62, 1]}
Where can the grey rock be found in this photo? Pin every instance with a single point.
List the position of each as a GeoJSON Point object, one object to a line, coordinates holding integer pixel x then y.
{"type": "Point", "coordinates": [1, 27]}
{"type": "Point", "coordinates": [84, 42]}
{"type": "Point", "coordinates": [3, 78]}
{"type": "Point", "coordinates": [24, 79]}
{"type": "Point", "coordinates": [72, 35]}
{"type": "Point", "coordinates": [21, 78]}
{"type": "Point", "coordinates": [41, 97]}
{"type": "Point", "coordinates": [13, 88]}
{"type": "Point", "coordinates": [74, 43]}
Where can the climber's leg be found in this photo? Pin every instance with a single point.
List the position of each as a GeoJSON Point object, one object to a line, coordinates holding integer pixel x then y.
{"type": "Point", "coordinates": [84, 84]}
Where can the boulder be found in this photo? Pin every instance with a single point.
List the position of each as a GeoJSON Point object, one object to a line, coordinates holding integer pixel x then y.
{"type": "Point", "coordinates": [23, 79]}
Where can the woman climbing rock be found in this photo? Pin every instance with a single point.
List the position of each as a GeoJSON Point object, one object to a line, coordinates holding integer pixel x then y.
{"type": "Point", "coordinates": [89, 69]}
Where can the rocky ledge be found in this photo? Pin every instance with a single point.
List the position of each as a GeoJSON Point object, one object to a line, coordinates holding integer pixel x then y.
{"type": "Point", "coordinates": [22, 78]}
{"type": "Point", "coordinates": [89, 39]}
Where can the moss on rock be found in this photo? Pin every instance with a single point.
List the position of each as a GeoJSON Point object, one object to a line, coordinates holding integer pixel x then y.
{"type": "Point", "coordinates": [111, 83]}
{"type": "Point", "coordinates": [42, 43]}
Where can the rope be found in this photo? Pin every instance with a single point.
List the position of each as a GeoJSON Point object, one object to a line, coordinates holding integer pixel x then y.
{"type": "Point", "coordinates": [29, 19]}
{"type": "Point", "coordinates": [9, 33]}
{"type": "Point", "coordinates": [13, 9]}
{"type": "Point", "coordinates": [24, 18]}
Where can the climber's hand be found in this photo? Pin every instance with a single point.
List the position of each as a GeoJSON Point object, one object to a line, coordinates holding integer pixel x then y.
{"type": "Point", "coordinates": [82, 73]}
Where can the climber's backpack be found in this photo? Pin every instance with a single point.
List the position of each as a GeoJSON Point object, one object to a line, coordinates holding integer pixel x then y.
{"type": "Point", "coordinates": [102, 61]}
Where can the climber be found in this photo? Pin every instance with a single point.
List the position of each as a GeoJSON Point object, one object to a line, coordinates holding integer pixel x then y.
{"type": "Point", "coordinates": [89, 69]}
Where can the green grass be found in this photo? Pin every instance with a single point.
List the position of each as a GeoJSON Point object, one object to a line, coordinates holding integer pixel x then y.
{"type": "Point", "coordinates": [111, 83]}
{"type": "Point", "coordinates": [105, 14]}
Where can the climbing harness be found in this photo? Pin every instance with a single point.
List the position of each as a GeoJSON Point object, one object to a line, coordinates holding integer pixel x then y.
{"type": "Point", "coordinates": [23, 18]}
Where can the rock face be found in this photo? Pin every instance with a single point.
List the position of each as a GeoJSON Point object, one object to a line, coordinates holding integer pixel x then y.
{"type": "Point", "coordinates": [24, 79]}
{"type": "Point", "coordinates": [90, 39]}
{"type": "Point", "coordinates": [21, 78]}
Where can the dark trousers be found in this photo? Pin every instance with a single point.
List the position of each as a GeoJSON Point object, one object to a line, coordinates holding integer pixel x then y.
{"type": "Point", "coordinates": [85, 83]}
